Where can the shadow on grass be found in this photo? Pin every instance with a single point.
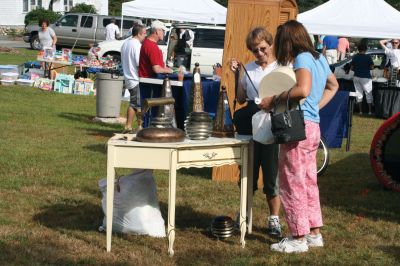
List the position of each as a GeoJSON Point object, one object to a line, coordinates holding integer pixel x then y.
{"type": "Point", "coordinates": [42, 250]}
{"type": "Point", "coordinates": [101, 147]}
{"type": "Point", "coordinates": [71, 215]}
{"type": "Point", "coordinates": [77, 117]}
{"type": "Point", "coordinates": [205, 172]}
{"type": "Point", "coordinates": [351, 185]}
{"type": "Point", "coordinates": [107, 130]}
{"type": "Point", "coordinates": [105, 133]}
{"type": "Point", "coordinates": [214, 257]}
{"type": "Point", "coordinates": [392, 250]}
{"type": "Point", "coordinates": [85, 216]}
{"type": "Point", "coordinates": [86, 119]}
{"type": "Point", "coordinates": [186, 217]}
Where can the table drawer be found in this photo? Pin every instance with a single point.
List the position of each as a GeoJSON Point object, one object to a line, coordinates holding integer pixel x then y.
{"type": "Point", "coordinates": [210, 154]}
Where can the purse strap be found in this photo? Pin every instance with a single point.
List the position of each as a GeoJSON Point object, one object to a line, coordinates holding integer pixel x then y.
{"type": "Point", "coordinates": [277, 99]}
{"type": "Point", "coordinates": [252, 84]}
{"type": "Point", "coordinates": [237, 76]}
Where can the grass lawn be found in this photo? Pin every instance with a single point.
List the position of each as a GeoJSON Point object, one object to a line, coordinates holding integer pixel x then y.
{"type": "Point", "coordinates": [52, 155]}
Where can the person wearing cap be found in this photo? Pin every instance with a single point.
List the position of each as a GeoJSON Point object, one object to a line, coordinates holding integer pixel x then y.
{"type": "Point", "coordinates": [112, 31]}
{"type": "Point", "coordinates": [151, 63]}
{"type": "Point", "coordinates": [393, 53]}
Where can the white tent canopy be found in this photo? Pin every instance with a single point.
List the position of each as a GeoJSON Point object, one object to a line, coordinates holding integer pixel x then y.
{"type": "Point", "coordinates": [199, 11]}
{"type": "Point", "coordinates": [353, 18]}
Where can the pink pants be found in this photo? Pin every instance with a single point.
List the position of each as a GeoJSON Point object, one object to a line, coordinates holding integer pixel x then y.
{"type": "Point", "coordinates": [298, 182]}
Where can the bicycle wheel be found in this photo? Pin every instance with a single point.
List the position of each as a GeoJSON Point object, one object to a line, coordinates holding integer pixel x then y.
{"type": "Point", "coordinates": [322, 158]}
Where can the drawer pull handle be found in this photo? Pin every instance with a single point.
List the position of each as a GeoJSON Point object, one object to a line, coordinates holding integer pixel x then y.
{"type": "Point", "coordinates": [210, 156]}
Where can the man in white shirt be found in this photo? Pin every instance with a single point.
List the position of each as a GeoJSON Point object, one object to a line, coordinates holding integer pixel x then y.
{"type": "Point", "coordinates": [188, 36]}
{"type": "Point", "coordinates": [112, 31]}
{"type": "Point", "coordinates": [393, 54]}
{"type": "Point", "coordinates": [130, 53]}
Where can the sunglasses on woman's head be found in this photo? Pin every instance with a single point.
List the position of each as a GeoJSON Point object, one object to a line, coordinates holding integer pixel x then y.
{"type": "Point", "coordinates": [256, 50]}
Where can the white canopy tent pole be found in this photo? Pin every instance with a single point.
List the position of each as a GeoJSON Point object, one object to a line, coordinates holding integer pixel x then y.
{"type": "Point", "coordinates": [122, 25]}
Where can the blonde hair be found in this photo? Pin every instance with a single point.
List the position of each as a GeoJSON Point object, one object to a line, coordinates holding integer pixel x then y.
{"type": "Point", "coordinates": [257, 35]}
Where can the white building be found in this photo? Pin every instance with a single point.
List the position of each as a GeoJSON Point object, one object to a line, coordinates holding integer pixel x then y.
{"type": "Point", "coordinates": [12, 12]}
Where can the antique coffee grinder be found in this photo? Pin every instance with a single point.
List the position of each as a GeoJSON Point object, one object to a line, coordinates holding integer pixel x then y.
{"type": "Point", "coordinates": [223, 125]}
{"type": "Point", "coordinates": [161, 129]}
{"type": "Point", "coordinates": [163, 126]}
{"type": "Point", "coordinates": [198, 123]}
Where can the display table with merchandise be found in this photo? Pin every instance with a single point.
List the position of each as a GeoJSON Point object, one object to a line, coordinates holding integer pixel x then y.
{"type": "Point", "coordinates": [386, 98]}
{"type": "Point", "coordinates": [124, 153]}
{"type": "Point", "coordinates": [334, 117]}
{"type": "Point", "coordinates": [181, 91]}
{"type": "Point", "coordinates": [48, 65]}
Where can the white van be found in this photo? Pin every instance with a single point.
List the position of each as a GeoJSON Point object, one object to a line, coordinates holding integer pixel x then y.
{"type": "Point", "coordinates": [207, 47]}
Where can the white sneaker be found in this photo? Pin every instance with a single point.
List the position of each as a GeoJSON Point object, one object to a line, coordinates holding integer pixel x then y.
{"type": "Point", "coordinates": [314, 240]}
{"type": "Point", "coordinates": [290, 245]}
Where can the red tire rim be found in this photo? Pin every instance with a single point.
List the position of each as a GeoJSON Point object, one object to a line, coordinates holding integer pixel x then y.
{"type": "Point", "coordinates": [385, 153]}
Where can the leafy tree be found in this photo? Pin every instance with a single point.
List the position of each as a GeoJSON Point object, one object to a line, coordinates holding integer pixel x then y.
{"type": "Point", "coordinates": [305, 5]}
{"type": "Point", "coordinates": [222, 2]}
{"type": "Point", "coordinates": [83, 8]}
{"type": "Point", "coordinates": [115, 6]}
{"type": "Point", "coordinates": [394, 3]}
{"type": "Point", "coordinates": [35, 15]}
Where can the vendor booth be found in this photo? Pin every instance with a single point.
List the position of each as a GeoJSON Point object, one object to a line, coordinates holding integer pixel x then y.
{"type": "Point", "coordinates": [355, 18]}
{"type": "Point", "coordinates": [199, 11]}
{"type": "Point", "coordinates": [358, 18]}
{"type": "Point", "coordinates": [62, 72]}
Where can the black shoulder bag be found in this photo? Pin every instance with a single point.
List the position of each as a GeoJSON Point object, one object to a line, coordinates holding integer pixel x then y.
{"type": "Point", "coordinates": [287, 126]}
{"type": "Point", "coordinates": [242, 117]}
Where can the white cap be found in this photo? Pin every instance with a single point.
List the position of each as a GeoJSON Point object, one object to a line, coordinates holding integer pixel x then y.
{"type": "Point", "coordinates": [156, 24]}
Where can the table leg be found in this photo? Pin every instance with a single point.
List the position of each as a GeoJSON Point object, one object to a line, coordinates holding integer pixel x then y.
{"type": "Point", "coordinates": [243, 192]}
{"type": "Point", "coordinates": [250, 181]}
{"type": "Point", "coordinates": [110, 194]}
{"type": "Point", "coordinates": [171, 202]}
{"type": "Point", "coordinates": [46, 71]}
{"type": "Point", "coordinates": [349, 122]}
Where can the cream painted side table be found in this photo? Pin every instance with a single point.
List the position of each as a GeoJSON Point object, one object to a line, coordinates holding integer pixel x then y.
{"type": "Point", "coordinates": [212, 152]}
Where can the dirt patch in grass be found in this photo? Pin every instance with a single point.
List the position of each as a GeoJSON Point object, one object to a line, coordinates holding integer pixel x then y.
{"type": "Point", "coordinates": [6, 50]}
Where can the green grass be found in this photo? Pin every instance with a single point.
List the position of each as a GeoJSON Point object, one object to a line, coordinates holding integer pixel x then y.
{"type": "Point", "coordinates": [17, 56]}
{"type": "Point", "coordinates": [52, 155]}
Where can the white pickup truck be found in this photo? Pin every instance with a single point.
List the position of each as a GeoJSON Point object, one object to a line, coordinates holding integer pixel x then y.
{"type": "Point", "coordinates": [207, 47]}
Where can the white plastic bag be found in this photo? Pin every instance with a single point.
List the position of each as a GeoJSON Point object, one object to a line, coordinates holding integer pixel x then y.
{"type": "Point", "coordinates": [261, 122]}
{"type": "Point", "coordinates": [136, 208]}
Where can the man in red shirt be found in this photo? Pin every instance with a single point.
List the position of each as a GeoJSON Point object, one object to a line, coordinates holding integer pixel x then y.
{"type": "Point", "coordinates": [151, 63]}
